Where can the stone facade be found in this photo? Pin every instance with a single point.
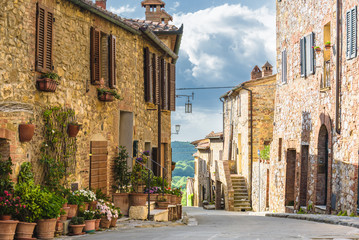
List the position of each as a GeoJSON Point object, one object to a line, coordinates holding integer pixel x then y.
{"type": "Point", "coordinates": [249, 110]}
{"type": "Point", "coordinates": [21, 101]}
{"type": "Point", "coordinates": [314, 158]}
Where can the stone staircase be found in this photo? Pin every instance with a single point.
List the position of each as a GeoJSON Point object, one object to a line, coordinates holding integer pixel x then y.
{"type": "Point", "coordinates": [241, 199]}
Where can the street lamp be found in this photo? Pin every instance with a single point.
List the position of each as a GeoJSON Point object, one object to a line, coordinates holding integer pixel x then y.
{"type": "Point", "coordinates": [188, 104]}
{"type": "Point", "coordinates": [177, 128]}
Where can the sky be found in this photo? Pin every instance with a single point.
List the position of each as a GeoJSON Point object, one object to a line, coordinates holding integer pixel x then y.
{"type": "Point", "coordinates": [222, 42]}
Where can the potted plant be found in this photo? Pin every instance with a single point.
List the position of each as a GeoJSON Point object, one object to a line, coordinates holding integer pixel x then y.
{"type": "Point", "coordinates": [162, 202]}
{"type": "Point", "coordinates": [8, 229]}
{"type": "Point", "coordinates": [116, 213]}
{"type": "Point", "coordinates": [98, 216]}
{"type": "Point", "coordinates": [107, 95]}
{"type": "Point", "coordinates": [48, 82]}
{"type": "Point", "coordinates": [26, 131]}
{"type": "Point", "coordinates": [73, 202]}
{"type": "Point", "coordinates": [328, 45]}
{"type": "Point", "coordinates": [153, 193]}
{"type": "Point", "coordinates": [317, 49]}
{"type": "Point", "coordinates": [90, 221]}
{"type": "Point", "coordinates": [173, 166]}
{"type": "Point", "coordinates": [77, 224]}
{"type": "Point", "coordinates": [122, 177]}
{"type": "Point", "coordinates": [106, 213]}
{"type": "Point", "coordinates": [73, 129]}
{"type": "Point", "coordinates": [178, 193]}
{"type": "Point", "coordinates": [86, 196]}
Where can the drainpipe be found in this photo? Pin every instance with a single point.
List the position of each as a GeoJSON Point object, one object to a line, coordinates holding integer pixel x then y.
{"type": "Point", "coordinates": [230, 129]}
{"type": "Point", "coordinates": [251, 124]}
{"type": "Point", "coordinates": [337, 84]}
{"type": "Point", "coordinates": [221, 99]}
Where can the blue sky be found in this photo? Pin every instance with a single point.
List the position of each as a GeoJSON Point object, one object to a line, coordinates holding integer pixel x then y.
{"type": "Point", "coordinates": [223, 40]}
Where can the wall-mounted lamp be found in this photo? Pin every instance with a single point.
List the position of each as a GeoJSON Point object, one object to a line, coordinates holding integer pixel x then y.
{"type": "Point", "coordinates": [177, 128]}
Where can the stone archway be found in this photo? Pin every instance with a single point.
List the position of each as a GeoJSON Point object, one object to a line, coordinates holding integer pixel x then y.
{"type": "Point", "coordinates": [322, 166]}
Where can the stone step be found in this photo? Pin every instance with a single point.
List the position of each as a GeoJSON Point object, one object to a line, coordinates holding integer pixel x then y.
{"type": "Point", "coordinates": [242, 209]}
{"type": "Point", "coordinates": [241, 200]}
{"type": "Point", "coordinates": [152, 205]}
{"type": "Point", "coordinates": [159, 215]}
{"type": "Point", "coordinates": [239, 185]}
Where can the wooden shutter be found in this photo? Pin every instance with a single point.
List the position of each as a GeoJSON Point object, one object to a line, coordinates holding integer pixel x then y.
{"type": "Point", "coordinates": [302, 58]}
{"type": "Point", "coordinates": [148, 75]}
{"type": "Point", "coordinates": [44, 39]}
{"type": "Point", "coordinates": [284, 66]}
{"type": "Point", "coordinates": [98, 166]}
{"type": "Point", "coordinates": [156, 79]}
{"type": "Point", "coordinates": [112, 63]}
{"type": "Point", "coordinates": [95, 56]}
{"type": "Point", "coordinates": [164, 85]}
{"type": "Point", "coordinates": [172, 87]}
{"type": "Point", "coordinates": [311, 54]}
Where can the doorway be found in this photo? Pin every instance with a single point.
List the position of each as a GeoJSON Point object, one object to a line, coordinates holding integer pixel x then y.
{"type": "Point", "coordinates": [126, 134]}
{"type": "Point", "coordinates": [290, 178]}
{"type": "Point", "coordinates": [322, 170]}
{"type": "Point", "coordinates": [98, 165]}
{"type": "Point", "coordinates": [304, 176]}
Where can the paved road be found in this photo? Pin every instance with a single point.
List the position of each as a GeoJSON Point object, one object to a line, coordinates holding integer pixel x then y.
{"type": "Point", "coordinates": [230, 225]}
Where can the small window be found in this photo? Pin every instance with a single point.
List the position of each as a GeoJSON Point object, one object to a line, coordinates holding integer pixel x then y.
{"type": "Point", "coordinates": [284, 66]}
{"type": "Point", "coordinates": [280, 150]}
{"type": "Point", "coordinates": [307, 64]}
{"type": "Point", "coordinates": [325, 80]}
{"type": "Point", "coordinates": [351, 33]}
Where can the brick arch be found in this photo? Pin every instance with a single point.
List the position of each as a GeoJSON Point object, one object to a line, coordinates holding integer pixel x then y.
{"type": "Point", "coordinates": [6, 133]}
{"type": "Point", "coordinates": [325, 121]}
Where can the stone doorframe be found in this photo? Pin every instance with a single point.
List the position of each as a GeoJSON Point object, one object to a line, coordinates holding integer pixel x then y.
{"type": "Point", "coordinates": [327, 122]}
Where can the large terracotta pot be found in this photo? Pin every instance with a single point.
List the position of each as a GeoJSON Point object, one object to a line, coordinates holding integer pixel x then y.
{"type": "Point", "coordinates": [122, 201]}
{"type": "Point", "coordinates": [105, 223]}
{"type": "Point", "coordinates": [97, 224]}
{"type": "Point", "coordinates": [72, 211]}
{"type": "Point", "coordinates": [7, 229]}
{"type": "Point", "coordinates": [138, 199]}
{"type": "Point", "coordinates": [45, 228]}
{"type": "Point", "coordinates": [163, 205]}
{"type": "Point", "coordinates": [113, 222]}
{"type": "Point", "coordinates": [59, 227]}
{"type": "Point", "coordinates": [64, 216]}
{"type": "Point", "coordinates": [26, 132]}
{"type": "Point", "coordinates": [24, 230]}
{"type": "Point", "coordinates": [5, 217]}
{"type": "Point", "coordinates": [77, 229]}
{"type": "Point", "coordinates": [46, 85]}
{"type": "Point", "coordinates": [73, 130]}
{"type": "Point", "coordinates": [153, 197]}
{"type": "Point", "coordinates": [90, 226]}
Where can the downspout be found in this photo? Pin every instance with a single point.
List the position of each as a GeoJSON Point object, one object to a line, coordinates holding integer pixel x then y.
{"type": "Point", "coordinates": [337, 84]}
{"type": "Point", "coordinates": [230, 129]}
{"type": "Point", "coordinates": [221, 99]}
{"type": "Point", "coordinates": [251, 125]}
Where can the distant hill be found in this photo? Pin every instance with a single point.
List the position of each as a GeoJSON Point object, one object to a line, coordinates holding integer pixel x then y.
{"type": "Point", "coordinates": [182, 154]}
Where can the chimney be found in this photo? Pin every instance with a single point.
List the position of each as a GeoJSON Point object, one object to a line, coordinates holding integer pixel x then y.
{"type": "Point", "coordinates": [267, 69]}
{"type": "Point", "coordinates": [256, 73]}
{"type": "Point", "coordinates": [101, 3]}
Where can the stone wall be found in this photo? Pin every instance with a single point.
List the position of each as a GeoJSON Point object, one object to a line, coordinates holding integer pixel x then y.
{"type": "Point", "coordinates": [303, 107]}
{"type": "Point", "coordinates": [71, 51]}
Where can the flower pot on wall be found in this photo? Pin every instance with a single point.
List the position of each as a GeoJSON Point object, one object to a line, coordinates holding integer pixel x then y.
{"type": "Point", "coordinates": [8, 229]}
{"type": "Point", "coordinates": [106, 97]}
{"type": "Point", "coordinates": [46, 228]}
{"type": "Point", "coordinates": [122, 201]}
{"type": "Point", "coordinates": [73, 130]}
{"type": "Point", "coordinates": [26, 132]}
{"type": "Point", "coordinates": [24, 230]}
{"type": "Point", "coordinates": [327, 46]}
{"type": "Point", "coordinates": [46, 85]}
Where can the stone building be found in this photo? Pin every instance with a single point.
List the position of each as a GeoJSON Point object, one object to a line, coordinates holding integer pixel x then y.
{"type": "Point", "coordinates": [248, 112]}
{"type": "Point", "coordinates": [314, 153]}
{"type": "Point", "coordinates": [90, 48]}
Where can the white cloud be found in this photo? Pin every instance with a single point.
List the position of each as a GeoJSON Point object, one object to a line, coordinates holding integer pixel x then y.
{"type": "Point", "coordinates": [219, 39]}
{"type": "Point", "coordinates": [123, 9]}
{"type": "Point", "coordinates": [196, 125]}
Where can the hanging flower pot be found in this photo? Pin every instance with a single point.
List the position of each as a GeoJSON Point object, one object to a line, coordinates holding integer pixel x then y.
{"type": "Point", "coordinates": [48, 82]}
{"type": "Point", "coordinates": [328, 45]}
{"type": "Point", "coordinates": [317, 49]}
{"type": "Point", "coordinates": [73, 129]}
{"type": "Point", "coordinates": [106, 95]}
{"type": "Point", "coordinates": [26, 132]}
{"type": "Point", "coordinates": [173, 166]}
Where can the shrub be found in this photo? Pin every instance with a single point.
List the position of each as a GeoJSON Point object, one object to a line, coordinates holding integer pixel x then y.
{"type": "Point", "coordinates": [77, 221]}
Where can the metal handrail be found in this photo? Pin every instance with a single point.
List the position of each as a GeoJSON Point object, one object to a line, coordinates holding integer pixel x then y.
{"type": "Point", "coordinates": [163, 178]}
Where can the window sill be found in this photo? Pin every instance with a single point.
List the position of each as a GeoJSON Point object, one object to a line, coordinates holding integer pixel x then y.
{"type": "Point", "coordinates": [324, 89]}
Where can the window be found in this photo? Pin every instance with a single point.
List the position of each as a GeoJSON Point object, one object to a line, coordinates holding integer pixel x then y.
{"type": "Point", "coordinates": [103, 58]}
{"type": "Point", "coordinates": [351, 33]}
{"type": "Point", "coordinates": [325, 80]}
{"type": "Point", "coordinates": [239, 105]}
{"type": "Point", "coordinates": [44, 39]}
{"type": "Point", "coordinates": [280, 150]}
{"type": "Point", "coordinates": [307, 65]}
{"type": "Point", "coordinates": [284, 66]}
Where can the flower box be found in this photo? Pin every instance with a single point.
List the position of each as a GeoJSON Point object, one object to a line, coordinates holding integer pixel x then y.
{"type": "Point", "coordinates": [46, 85]}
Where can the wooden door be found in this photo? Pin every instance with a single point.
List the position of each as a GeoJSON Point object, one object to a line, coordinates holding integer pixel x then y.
{"type": "Point", "coordinates": [98, 165]}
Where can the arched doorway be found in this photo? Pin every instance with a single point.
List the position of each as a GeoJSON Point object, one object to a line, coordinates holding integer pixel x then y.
{"type": "Point", "coordinates": [322, 170]}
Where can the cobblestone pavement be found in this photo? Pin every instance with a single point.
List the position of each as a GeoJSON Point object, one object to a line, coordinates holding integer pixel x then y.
{"type": "Point", "coordinates": [227, 225]}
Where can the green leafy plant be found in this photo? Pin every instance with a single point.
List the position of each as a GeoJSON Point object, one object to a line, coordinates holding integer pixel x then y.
{"type": "Point", "coordinates": [139, 174]}
{"type": "Point", "coordinates": [352, 214]}
{"type": "Point", "coordinates": [6, 183]}
{"type": "Point", "coordinates": [265, 153]}
{"type": "Point", "coordinates": [316, 47]}
{"type": "Point", "coordinates": [77, 221]}
{"type": "Point", "coordinates": [52, 75]}
{"type": "Point", "coordinates": [122, 172]}
{"type": "Point", "coordinates": [101, 195]}
{"type": "Point", "coordinates": [25, 174]}
{"type": "Point", "coordinates": [98, 214]}
{"type": "Point", "coordinates": [75, 199]}
{"type": "Point", "coordinates": [328, 43]}
{"type": "Point", "coordinates": [301, 211]}
{"type": "Point", "coordinates": [87, 214]}
{"type": "Point", "coordinates": [177, 192]}
{"type": "Point", "coordinates": [345, 213]}
{"type": "Point", "coordinates": [310, 207]}
{"type": "Point", "coordinates": [102, 91]}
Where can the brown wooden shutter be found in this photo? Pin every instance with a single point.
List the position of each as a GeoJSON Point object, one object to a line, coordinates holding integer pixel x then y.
{"type": "Point", "coordinates": [156, 79]}
{"type": "Point", "coordinates": [172, 87]}
{"type": "Point", "coordinates": [44, 39]}
{"type": "Point", "coordinates": [95, 56]}
{"type": "Point", "coordinates": [148, 75]}
{"type": "Point", "coordinates": [164, 85]}
{"type": "Point", "coordinates": [112, 64]}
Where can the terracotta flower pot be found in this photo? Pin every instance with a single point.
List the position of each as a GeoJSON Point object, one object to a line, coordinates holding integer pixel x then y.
{"type": "Point", "coordinates": [59, 227]}
{"type": "Point", "coordinates": [106, 97]}
{"type": "Point", "coordinates": [64, 216]}
{"type": "Point", "coordinates": [72, 211]}
{"type": "Point", "coordinates": [327, 46]}
{"type": "Point", "coordinates": [105, 223]}
{"type": "Point", "coordinates": [153, 197]}
{"type": "Point", "coordinates": [138, 199]}
{"type": "Point", "coordinates": [46, 228]}
{"type": "Point", "coordinates": [97, 224]}
{"type": "Point", "coordinates": [73, 130]}
{"type": "Point", "coordinates": [8, 229]}
{"type": "Point", "coordinates": [173, 166]}
{"type": "Point", "coordinates": [5, 217]}
{"type": "Point", "coordinates": [26, 132]}
{"type": "Point", "coordinates": [46, 85]}
{"type": "Point", "coordinates": [113, 222]}
{"type": "Point", "coordinates": [77, 229]}
{"type": "Point", "coordinates": [24, 230]}
{"type": "Point", "coordinates": [163, 205]}
{"type": "Point", "coordinates": [122, 201]}
{"type": "Point", "coordinates": [90, 226]}
{"type": "Point", "coordinates": [93, 205]}
{"type": "Point", "coordinates": [65, 205]}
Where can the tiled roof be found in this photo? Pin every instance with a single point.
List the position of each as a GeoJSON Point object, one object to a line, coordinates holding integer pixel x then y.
{"type": "Point", "coordinates": [203, 146]}
{"type": "Point", "coordinates": [154, 26]}
{"type": "Point", "coordinates": [267, 64]}
{"type": "Point", "coordinates": [152, 2]}
{"type": "Point", "coordinates": [215, 135]}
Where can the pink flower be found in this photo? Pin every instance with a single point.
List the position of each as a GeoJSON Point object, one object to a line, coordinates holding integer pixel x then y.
{"type": "Point", "coordinates": [24, 206]}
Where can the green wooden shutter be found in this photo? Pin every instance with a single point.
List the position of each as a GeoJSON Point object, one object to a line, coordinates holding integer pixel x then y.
{"type": "Point", "coordinates": [302, 58]}
{"type": "Point", "coordinates": [311, 53]}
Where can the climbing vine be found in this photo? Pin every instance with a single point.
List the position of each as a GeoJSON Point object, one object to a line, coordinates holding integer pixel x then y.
{"type": "Point", "coordinates": [58, 151]}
